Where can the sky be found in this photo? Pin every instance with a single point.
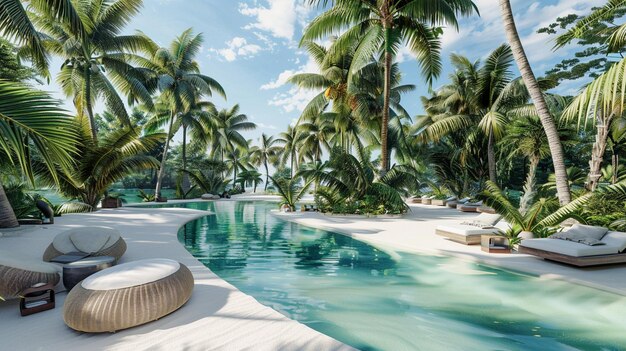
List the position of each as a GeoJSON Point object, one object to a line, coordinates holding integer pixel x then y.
{"type": "Point", "coordinates": [251, 48]}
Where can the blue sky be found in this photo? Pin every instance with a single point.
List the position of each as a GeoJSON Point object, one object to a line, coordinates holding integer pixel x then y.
{"type": "Point", "coordinates": [250, 47]}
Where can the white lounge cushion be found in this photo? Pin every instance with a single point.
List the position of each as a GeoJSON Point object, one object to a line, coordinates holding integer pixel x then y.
{"type": "Point", "coordinates": [131, 274]}
{"type": "Point", "coordinates": [466, 230]}
{"type": "Point", "coordinates": [86, 239]}
{"type": "Point", "coordinates": [569, 248]}
{"type": "Point", "coordinates": [617, 239]}
{"type": "Point", "coordinates": [14, 260]}
{"type": "Point", "coordinates": [488, 218]}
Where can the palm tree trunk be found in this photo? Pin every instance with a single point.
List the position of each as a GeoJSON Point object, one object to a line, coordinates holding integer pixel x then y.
{"type": "Point", "coordinates": [235, 173]}
{"type": "Point", "coordinates": [7, 216]}
{"type": "Point", "coordinates": [556, 148]}
{"type": "Point", "coordinates": [87, 97]}
{"type": "Point", "coordinates": [597, 153]}
{"type": "Point", "coordinates": [291, 161]}
{"type": "Point", "coordinates": [185, 184]}
{"type": "Point", "coordinates": [491, 158]}
{"type": "Point", "coordinates": [384, 128]}
{"type": "Point", "coordinates": [267, 175]}
{"type": "Point", "coordinates": [159, 184]}
{"type": "Point", "coordinates": [529, 186]}
{"type": "Point", "coordinates": [615, 164]}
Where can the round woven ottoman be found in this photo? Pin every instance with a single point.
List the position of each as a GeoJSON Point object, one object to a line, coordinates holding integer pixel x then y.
{"type": "Point", "coordinates": [128, 295]}
{"type": "Point", "coordinates": [97, 241]}
{"type": "Point", "coordinates": [18, 273]}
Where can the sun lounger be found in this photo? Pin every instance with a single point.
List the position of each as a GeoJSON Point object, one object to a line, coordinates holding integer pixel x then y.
{"type": "Point", "coordinates": [95, 241]}
{"type": "Point", "coordinates": [577, 254]}
{"type": "Point", "coordinates": [18, 274]}
{"type": "Point", "coordinates": [470, 206]}
{"type": "Point", "coordinates": [442, 202]}
{"type": "Point", "coordinates": [454, 203]}
{"type": "Point", "coordinates": [427, 200]}
{"type": "Point", "coordinates": [469, 232]}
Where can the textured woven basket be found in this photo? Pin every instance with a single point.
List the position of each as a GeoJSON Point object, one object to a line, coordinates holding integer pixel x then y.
{"type": "Point", "coordinates": [14, 280]}
{"type": "Point", "coordinates": [116, 250]}
{"type": "Point", "coordinates": [97, 311]}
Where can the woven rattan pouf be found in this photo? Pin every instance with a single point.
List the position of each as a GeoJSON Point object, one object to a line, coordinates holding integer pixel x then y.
{"type": "Point", "coordinates": [97, 241]}
{"type": "Point", "coordinates": [128, 295]}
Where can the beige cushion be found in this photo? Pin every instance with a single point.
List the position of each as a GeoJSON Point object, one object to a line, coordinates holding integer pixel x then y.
{"type": "Point", "coordinates": [488, 218]}
{"type": "Point", "coordinates": [584, 234]}
{"type": "Point", "coordinates": [131, 274]}
{"type": "Point", "coordinates": [617, 239]}
{"type": "Point", "coordinates": [86, 239]}
{"type": "Point", "coordinates": [11, 259]}
{"type": "Point", "coordinates": [466, 230]}
{"type": "Point", "coordinates": [569, 248]}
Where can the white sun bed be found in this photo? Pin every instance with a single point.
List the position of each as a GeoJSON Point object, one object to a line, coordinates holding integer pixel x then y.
{"type": "Point", "coordinates": [469, 234]}
{"type": "Point", "coordinates": [578, 254]}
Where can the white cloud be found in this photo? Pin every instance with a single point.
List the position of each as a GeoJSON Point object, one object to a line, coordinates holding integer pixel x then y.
{"type": "Point", "coordinates": [278, 17]}
{"type": "Point", "coordinates": [237, 47]}
{"type": "Point", "coordinates": [308, 67]}
{"type": "Point", "coordinates": [295, 100]}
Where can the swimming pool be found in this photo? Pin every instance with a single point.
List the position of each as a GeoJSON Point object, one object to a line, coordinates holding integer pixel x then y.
{"type": "Point", "coordinates": [375, 300]}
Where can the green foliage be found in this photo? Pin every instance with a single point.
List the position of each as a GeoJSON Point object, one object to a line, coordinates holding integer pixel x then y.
{"type": "Point", "coordinates": [146, 197]}
{"type": "Point", "coordinates": [290, 189]}
{"type": "Point", "coordinates": [23, 203]}
{"type": "Point", "coordinates": [11, 68]}
{"type": "Point", "coordinates": [208, 176]}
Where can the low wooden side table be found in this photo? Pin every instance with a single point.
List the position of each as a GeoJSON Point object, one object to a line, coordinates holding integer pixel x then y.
{"type": "Point", "coordinates": [494, 243]}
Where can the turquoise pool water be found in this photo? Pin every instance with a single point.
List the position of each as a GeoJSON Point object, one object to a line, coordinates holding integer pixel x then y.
{"type": "Point", "coordinates": [374, 300]}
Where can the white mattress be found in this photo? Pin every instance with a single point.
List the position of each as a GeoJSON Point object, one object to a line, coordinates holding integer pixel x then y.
{"type": "Point", "coordinates": [569, 248]}
{"type": "Point", "coordinates": [466, 230]}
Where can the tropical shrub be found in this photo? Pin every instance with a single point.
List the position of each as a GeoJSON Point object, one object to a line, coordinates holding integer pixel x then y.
{"type": "Point", "coordinates": [349, 186]}
{"type": "Point", "coordinates": [290, 189]}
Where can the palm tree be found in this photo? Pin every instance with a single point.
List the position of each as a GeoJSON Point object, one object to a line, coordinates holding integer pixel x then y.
{"type": "Point", "coordinates": [526, 138]}
{"type": "Point", "coordinates": [32, 120]}
{"type": "Point", "coordinates": [250, 177]}
{"type": "Point", "coordinates": [290, 190]}
{"type": "Point", "coordinates": [291, 139]}
{"type": "Point", "coordinates": [383, 26]}
{"type": "Point", "coordinates": [226, 131]}
{"type": "Point", "coordinates": [268, 152]}
{"type": "Point", "coordinates": [480, 101]}
{"type": "Point", "coordinates": [177, 75]}
{"type": "Point", "coordinates": [16, 23]}
{"type": "Point", "coordinates": [100, 163]}
{"type": "Point", "coordinates": [238, 158]}
{"type": "Point", "coordinates": [315, 135]}
{"type": "Point", "coordinates": [549, 126]}
{"type": "Point", "coordinates": [96, 59]}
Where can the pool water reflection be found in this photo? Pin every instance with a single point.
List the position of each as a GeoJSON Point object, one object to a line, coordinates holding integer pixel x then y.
{"type": "Point", "coordinates": [374, 300]}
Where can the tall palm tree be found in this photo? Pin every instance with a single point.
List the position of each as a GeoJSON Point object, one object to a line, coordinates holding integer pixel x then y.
{"type": "Point", "coordinates": [549, 126]}
{"type": "Point", "coordinates": [267, 152]}
{"type": "Point", "coordinates": [291, 139]}
{"type": "Point", "coordinates": [382, 26]}
{"type": "Point", "coordinates": [176, 74]}
{"type": "Point", "coordinates": [238, 158]}
{"type": "Point", "coordinates": [31, 119]}
{"type": "Point", "coordinates": [96, 59]}
{"type": "Point", "coordinates": [226, 131]}
{"type": "Point", "coordinates": [315, 136]}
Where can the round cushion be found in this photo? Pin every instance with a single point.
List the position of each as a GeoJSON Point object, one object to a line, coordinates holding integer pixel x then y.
{"type": "Point", "coordinates": [18, 273]}
{"type": "Point", "coordinates": [128, 295]}
{"type": "Point", "coordinates": [97, 241]}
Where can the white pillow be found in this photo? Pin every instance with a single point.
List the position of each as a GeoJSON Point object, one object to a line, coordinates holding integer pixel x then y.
{"type": "Point", "coordinates": [584, 234]}
{"type": "Point", "coordinates": [488, 218]}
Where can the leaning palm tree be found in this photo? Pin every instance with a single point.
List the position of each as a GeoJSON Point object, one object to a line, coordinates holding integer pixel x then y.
{"type": "Point", "coordinates": [382, 27]}
{"type": "Point", "coordinates": [96, 60]}
{"type": "Point", "coordinates": [267, 152]}
{"type": "Point", "coordinates": [177, 75]}
{"type": "Point", "coordinates": [32, 120]}
{"type": "Point", "coordinates": [556, 148]}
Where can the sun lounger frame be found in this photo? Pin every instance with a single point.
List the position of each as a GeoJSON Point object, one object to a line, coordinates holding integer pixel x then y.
{"type": "Point", "coordinates": [472, 239]}
{"type": "Point", "coordinates": [584, 261]}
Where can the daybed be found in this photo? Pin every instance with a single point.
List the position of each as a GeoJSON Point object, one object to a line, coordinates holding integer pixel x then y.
{"type": "Point", "coordinates": [469, 206]}
{"type": "Point", "coordinates": [610, 251]}
{"type": "Point", "coordinates": [469, 232]}
{"type": "Point", "coordinates": [427, 200]}
{"type": "Point", "coordinates": [128, 295]}
{"type": "Point", "coordinates": [18, 273]}
{"type": "Point", "coordinates": [96, 241]}
{"type": "Point", "coordinates": [454, 203]}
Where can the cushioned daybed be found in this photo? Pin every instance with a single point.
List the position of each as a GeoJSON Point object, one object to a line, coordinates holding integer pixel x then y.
{"type": "Point", "coordinates": [96, 241]}
{"type": "Point", "coordinates": [128, 295]}
{"type": "Point", "coordinates": [17, 274]}
{"type": "Point", "coordinates": [469, 232]}
{"type": "Point", "coordinates": [611, 251]}
{"type": "Point", "coordinates": [469, 206]}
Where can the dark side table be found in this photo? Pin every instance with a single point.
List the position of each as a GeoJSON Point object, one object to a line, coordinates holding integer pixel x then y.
{"type": "Point", "coordinates": [75, 272]}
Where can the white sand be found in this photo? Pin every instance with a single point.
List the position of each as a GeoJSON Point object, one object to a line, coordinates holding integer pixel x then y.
{"type": "Point", "coordinates": [217, 317]}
